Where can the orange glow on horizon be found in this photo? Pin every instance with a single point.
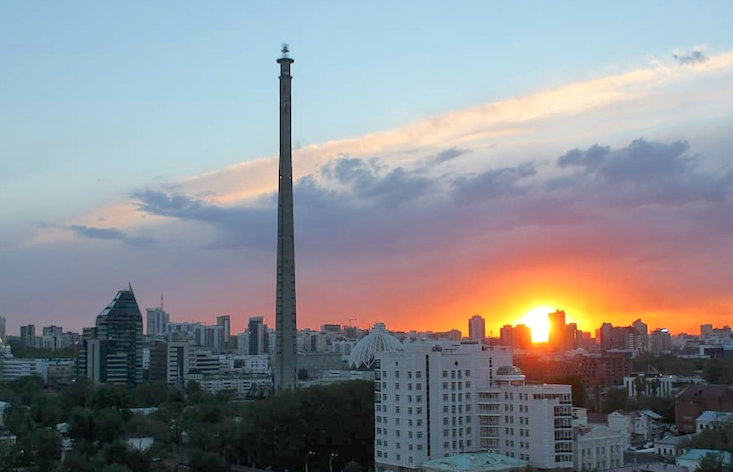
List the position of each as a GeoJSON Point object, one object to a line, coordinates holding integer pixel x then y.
{"type": "Point", "coordinates": [536, 320]}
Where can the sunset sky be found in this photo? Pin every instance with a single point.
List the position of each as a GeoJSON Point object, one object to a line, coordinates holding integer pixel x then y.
{"type": "Point", "coordinates": [452, 159]}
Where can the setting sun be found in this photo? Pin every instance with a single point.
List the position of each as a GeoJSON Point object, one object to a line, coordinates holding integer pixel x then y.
{"type": "Point", "coordinates": [536, 319]}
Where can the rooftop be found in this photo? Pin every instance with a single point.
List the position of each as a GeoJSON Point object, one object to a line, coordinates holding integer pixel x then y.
{"type": "Point", "coordinates": [706, 391]}
{"type": "Point", "coordinates": [473, 462]}
{"type": "Point", "coordinates": [674, 440]}
{"type": "Point", "coordinates": [697, 454]}
{"type": "Point", "coordinates": [715, 416]}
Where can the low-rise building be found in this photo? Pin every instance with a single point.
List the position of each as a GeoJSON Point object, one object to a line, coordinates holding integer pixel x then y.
{"type": "Point", "coordinates": [694, 400]}
{"type": "Point", "coordinates": [474, 462]}
{"type": "Point", "coordinates": [671, 446]}
{"type": "Point", "coordinates": [691, 459]}
{"type": "Point", "coordinates": [597, 447]}
{"type": "Point", "coordinates": [714, 420]}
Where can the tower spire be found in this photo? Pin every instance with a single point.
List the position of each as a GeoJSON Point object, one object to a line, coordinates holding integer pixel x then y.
{"type": "Point", "coordinates": [286, 365]}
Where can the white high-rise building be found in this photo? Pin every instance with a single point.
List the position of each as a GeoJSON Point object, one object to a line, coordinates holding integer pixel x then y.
{"type": "Point", "coordinates": [426, 398]}
{"type": "Point", "coordinates": [436, 400]}
{"type": "Point", "coordinates": [529, 422]}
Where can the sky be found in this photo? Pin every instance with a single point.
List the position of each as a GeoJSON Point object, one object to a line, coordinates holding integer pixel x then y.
{"type": "Point", "coordinates": [451, 159]}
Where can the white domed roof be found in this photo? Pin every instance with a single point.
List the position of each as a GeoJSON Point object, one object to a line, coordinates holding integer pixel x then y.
{"type": "Point", "coordinates": [378, 340]}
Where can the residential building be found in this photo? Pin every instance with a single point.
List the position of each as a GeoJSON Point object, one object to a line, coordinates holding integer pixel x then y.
{"type": "Point", "coordinates": [694, 400]}
{"type": "Point", "coordinates": [178, 363]}
{"type": "Point", "coordinates": [642, 335]}
{"type": "Point", "coordinates": [517, 337]}
{"type": "Point", "coordinates": [226, 324]}
{"type": "Point", "coordinates": [530, 422]}
{"type": "Point", "coordinates": [558, 331]}
{"type": "Point", "coordinates": [28, 336]}
{"type": "Point", "coordinates": [671, 446]}
{"type": "Point", "coordinates": [691, 459]}
{"type": "Point", "coordinates": [157, 321]}
{"type": "Point", "coordinates": [661, 341]}
{"type": "Point", "coordinates": [477, 328]}
{"type": "Point", "coordinates": [426, 397]}
{"type": "Point", "coordinates": [715, 420]}
{"type": "Point", "coordinates": [597, 447]}
{"type": "Point", "coordinates": [258, 339]}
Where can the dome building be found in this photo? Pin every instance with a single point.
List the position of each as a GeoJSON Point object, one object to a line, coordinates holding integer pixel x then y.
{"type": "Point", "coordinates": [378, 340]}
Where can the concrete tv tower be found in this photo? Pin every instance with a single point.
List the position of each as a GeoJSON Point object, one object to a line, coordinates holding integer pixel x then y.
{"type": "Point", "coordinates": [286, 360]}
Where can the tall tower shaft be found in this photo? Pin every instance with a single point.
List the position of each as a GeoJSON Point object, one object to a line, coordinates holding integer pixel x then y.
{"type": "Point", "coordinates": [286, 362]}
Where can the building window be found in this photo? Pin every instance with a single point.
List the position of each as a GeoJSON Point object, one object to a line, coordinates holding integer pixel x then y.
{"type": "Point", "coordinates": [397, 374]}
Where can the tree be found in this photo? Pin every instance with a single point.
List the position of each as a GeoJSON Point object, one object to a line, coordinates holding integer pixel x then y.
{"type": "Point", "coordinates": [46, 448]}
{"type": "Point", "coordinates": [640, 386]}
{"type": "Point", "coordinates": [353, 466]}
{"type": "Point", "coordinates": [614, 399]}
{"type": "Point", "coordinates": [711, 463]}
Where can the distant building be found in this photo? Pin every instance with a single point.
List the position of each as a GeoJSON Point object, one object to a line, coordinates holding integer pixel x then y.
{"type": "Point", "coordinates": [331, 328]}
{"type": "Point", "coordinates": [654, 385]}
{"type": "Point", "coordinates": [28, 336]}
{"type": "Point", "coordinates": [257, 336]}
{"type": "Point", "coordinates": [558, 331]}
{"type": "Point", "coordinates": [661, 341]}
{"type": "Point", "coordinates": [226, 324]}
{"type": "Point", "coordinates": [516, 337]}
{"type": "Point", "coordinates": [642, 334]}
{"type": "Point", "coordinates": [2, 330]}
{"type": "Point", "coordinates": [364, 354]}
{"type": "Point", "coordinates": [112, 351]}
{"type": "Point", "coordinates": [694, 400]}
{"type": "Point", "coordinates": [178, 363]}
{"type": "Point", "coordinates": [477, 328]}
{"type": "Point", "coordinates": [157, 321]}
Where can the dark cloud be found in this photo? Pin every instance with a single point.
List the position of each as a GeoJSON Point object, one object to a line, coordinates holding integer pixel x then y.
{"type": "Point", "coordinates": [448, 155]}
{"type": "Point", "coordinates": [109, 234]}
{"type": "Point", "coordinates": [643, 172]}
{"type": "Point", "coordinates": [368, 181]}
{"type": "Point", "coordinates": [494, 183]}
{"type": "Point", "coordinates": [695, 57]}
{"type": "Point", "coordinates": [242, 226]}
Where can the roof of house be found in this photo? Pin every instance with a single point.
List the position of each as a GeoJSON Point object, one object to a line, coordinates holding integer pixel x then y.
{"type": "Point", "coordinates": [652, 414]}
{"type": "Point", "coordinates": [473, 462]}
{"type": "Point", "coordinates": [674, 440]}
{"type": "Point", "coordinates": [706, 392]}
{"type": "Point", "coordinates": [697, 454]}
{"type": "Point", "coordinates": [715, 416]}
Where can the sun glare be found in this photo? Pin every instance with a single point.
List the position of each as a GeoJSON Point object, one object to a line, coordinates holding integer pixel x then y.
{"type": "Point", "coordinates": [536, 319]}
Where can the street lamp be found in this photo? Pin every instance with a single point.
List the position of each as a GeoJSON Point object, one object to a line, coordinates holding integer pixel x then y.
{"type": "Point", "coordinates": [330, 465]}
{"type": "Point", "coordinates": [310, 453]}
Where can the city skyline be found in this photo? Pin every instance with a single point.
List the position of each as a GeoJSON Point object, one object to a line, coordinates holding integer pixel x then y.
{"type": "Point", "coordinates": [599, 184]}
